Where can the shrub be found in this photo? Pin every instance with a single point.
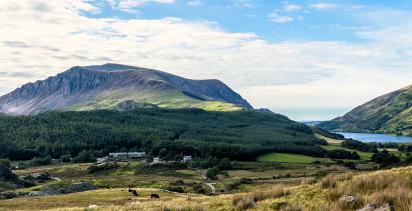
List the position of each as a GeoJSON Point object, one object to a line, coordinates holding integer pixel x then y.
{"type": "Point", "coordinates": [212, 173]}
{"type": "Point", "coordinates": [225, 164]}
{"type": "Point", "coordinates": [175, 188]}
{"type": "Point", "coordinates": [385, 158]}
{"type": "Point", "coordinates": [102, 167]}
{"type": "Point", "coordinates": [342, 154]}
{"type": "Point", "coordinates": [358, 145]}
{"type": "Point", "coordinates": [84, 157]}
{"type": "Point", "coordinates": [66, 158]}
{"type": "Point", "coordinates": [5, 163]}
{"type": "Point", "coordinates": [199, 188]}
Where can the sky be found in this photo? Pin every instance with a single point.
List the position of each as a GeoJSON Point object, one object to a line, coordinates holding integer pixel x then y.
{"type": "Point", "coordinates": [309, 60]}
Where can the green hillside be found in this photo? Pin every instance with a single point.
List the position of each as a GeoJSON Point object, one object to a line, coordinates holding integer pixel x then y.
{"type": "Point", "coordinates": [390, 113]}
{"type": "Point", "coordinates": [239, 135]}
{"type": "Point", "coordinates": [162, 99]}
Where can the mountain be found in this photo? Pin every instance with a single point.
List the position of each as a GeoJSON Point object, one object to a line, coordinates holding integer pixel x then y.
{"type": "Point", "coordinates": [106, 86]}
{"type": "Point", "coordinates": [390, 113]}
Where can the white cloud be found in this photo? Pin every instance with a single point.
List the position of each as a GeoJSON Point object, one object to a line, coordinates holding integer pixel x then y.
{"type": "Point", "coordinates": [131, 5]}
{"type": "Point", "coordinates": [244, 3]}
{"type": "Point", "coordinates": [41, 41]}
{"type": "Point", "coordinates": [195, 3]}
{"type": "Point", "coordinates": [274, 17]}
{"type": "Point", "coordinates": [287, 7]}
{"type": "Point", "coordinates": [324, 6]}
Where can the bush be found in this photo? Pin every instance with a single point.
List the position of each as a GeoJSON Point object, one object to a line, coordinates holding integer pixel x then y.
{"type": "Point", "coordinates": [199, 188]}
{"type": "Point", "coordinates": [385, 158]}
{"type": "Point", "coordinates": [212, 173]}
{"type": "Point", "coordinates": [236, 184]}
{"type": "Point", "coordinates": [358, 145]}
{"type": "Point", "coordinates": [36, 162]}
{"type": "Point", "coordinates": [5, 163]}
{"type": "Point", "coordinates": [66, 158]}
{"type": "Point", "coordinates": [84, 157]}
{"type": "Point", "coordinates": [225, 164]}
{"type": "Point", "coordinates": [102, 167]}
{"type": "Point", "coordinates": [175, 188]}
{"type": "Point", "coordinates": [342, 154]}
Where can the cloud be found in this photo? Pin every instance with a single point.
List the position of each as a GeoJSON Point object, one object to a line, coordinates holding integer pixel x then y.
{"type": "Point", "coordinates": [324, 6]}
{"type": "Point", "coordinates": [131, 5]}
{"type": "Point", "coordinates": [195, 3]}
{"type": "Point", "coordinates": [274, 17]}
{"type": "Point", "coordinates": [269, 74]}
{"type": "Point", "coordinates": [244, 3]}
{"type": "Point", "coordinates": [287, 7]}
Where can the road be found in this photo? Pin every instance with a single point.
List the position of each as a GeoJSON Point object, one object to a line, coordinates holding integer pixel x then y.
{"type": "Point", "coordinates": [210, 185]}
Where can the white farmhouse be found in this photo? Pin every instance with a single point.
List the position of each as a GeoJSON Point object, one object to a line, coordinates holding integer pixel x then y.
{"type": "Point", "coordinates": [128, 154]}
{"type": "Point", "coordinates": [156, 160]}
{"type": "Point", "coordinates": [187, 159]}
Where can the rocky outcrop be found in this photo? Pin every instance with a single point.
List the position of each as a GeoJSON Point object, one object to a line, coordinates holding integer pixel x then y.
{"type": "Point", "coordinates": [55, 190]}
{"type": "Point", "coordinates": [376, 207]}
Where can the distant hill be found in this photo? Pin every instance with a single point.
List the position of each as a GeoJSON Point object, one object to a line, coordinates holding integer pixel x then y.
{"type": "Point", "coordinates": [106, 86]}
{"type": "Point", "coordinates": [390, 113]}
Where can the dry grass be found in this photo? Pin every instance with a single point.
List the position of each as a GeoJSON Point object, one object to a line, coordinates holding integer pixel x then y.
{"type": "Point", "coordinates": [392, 187]}
{"type": "Point", "coordinates": [249, 200]}
{"type": "Point", "coordinates": [331, 180]}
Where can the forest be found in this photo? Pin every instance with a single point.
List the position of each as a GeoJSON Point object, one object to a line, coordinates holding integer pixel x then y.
{"type": "Point", "coordinates": [240, 135]}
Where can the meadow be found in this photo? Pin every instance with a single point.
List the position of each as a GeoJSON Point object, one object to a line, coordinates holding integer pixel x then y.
{"type": "Point", "coordinates": [381, 188]}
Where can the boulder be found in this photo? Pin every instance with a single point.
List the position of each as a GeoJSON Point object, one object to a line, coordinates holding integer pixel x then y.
{"type": "Point", "coordinates": [376, 207]}
{"type": "Point", "coordinates": [349, 202]}
{"type": "Point", "coordinates": [7, 175]}
{"type": "Point", "coordinates": [73, 188]}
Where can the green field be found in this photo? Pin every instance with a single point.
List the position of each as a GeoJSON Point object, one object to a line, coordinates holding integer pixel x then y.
{"type": "Point", "coordinates": [363, 155]}
{"type": "Point", "coordinates": [290, 158]}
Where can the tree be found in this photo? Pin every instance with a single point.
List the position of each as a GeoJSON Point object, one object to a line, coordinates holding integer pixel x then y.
{"type": "Point", "coordinates": [5, 163]}
{"type": "Point", "coordinates": [385, 158]}
{"type": "Point", "coordinates": [162, 152]}
{"type": "Point", "coordinates": [84, 157]}
{"type": "Point", "coordinates": [66, 158]}
{"type": "Point", "coordinates": [225, 164]}
{"type": "Point", "coordinates": [212, 173]}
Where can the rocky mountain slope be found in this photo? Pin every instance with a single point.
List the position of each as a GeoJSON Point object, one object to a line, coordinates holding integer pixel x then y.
{"type": "Point", "coordinates": [390, 113]}
{"type": "Point", "coordinates": [105, 86]}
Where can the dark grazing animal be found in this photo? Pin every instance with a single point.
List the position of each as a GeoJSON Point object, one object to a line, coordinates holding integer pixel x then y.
{"type": "Point", "coordinates": [154, 196]}
{"type": "Point", "coordinates": [133, 191]}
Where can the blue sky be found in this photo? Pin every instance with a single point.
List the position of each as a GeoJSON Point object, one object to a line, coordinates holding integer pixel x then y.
{"type": "Point", "coordinates": [306, 20]}
{"type": "Point", "coordinates": [310, 60]}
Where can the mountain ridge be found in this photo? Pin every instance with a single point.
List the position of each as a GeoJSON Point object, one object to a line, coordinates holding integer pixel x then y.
{"type": "Point", "coordinates": [389, 113]}
{"type": "Point", "coordinates": [105, 86]}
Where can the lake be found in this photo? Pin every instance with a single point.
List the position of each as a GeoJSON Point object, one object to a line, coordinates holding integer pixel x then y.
{"type": "Point", "coordinates": [368, 137]}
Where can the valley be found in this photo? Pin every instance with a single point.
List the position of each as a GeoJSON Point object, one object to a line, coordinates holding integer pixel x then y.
{"type": "Point", "coordinates": [183, 145]}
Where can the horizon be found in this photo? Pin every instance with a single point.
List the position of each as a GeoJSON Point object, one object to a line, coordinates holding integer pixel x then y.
{"type": "Point", "coordinates": [308, 60]}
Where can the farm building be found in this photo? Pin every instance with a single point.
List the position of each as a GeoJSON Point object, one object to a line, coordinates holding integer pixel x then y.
{"type": "Point", "coordinates": [128, 154]}
{"type": "Point", "coordinates": [187, 159]}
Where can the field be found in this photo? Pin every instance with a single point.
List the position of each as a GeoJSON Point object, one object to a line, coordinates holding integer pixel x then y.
{"type": "Point", "coordinates": [385, 188]}
{"type": "Point", "coordinates": [276, 181]}
{"type": "Point", "coordinates": [291, 158]}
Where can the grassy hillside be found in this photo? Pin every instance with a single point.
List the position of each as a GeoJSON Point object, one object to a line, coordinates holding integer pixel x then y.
{"type": "Point", "coordinates": [390, 113]}
{"type": "Point", "coordinates": [240, 135]}
{"type": "Point", "coordinates": [344, 191]}
{"type": "Point", "coordinates": [163, 99]}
